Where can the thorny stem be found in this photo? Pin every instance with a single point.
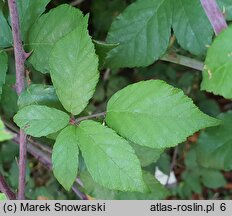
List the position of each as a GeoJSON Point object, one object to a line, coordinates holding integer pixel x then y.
{"type": "Point", "coordinates": [183, 60]}
{"type": "Point", "coordinates": [97, 115]}
{"type": "Point", "coordinates": [214, 15]}
{"type": "Point", "coordinates": [19, 52]}
{"type": "Point", "coordinates": [4, 188]}
{"type": "Point", "coordinates": [20, 57]}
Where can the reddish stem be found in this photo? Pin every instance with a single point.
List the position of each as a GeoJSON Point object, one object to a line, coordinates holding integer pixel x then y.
{"type": "Point", "coordinates": [22, 164]}
{"type": "Point", "coordinates": [97, 115]}
{"type": "Point", "coordinates": [215, 15]}
{"type": "Point", "coordinates": [20, 57]}
{"type": "Point", "coordinates": [6, 189]}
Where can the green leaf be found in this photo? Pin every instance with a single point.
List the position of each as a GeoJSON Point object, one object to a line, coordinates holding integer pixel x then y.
{"type": "Point", "coordinates": [192, 173]}
{"type": "Point", "coordinates": [154, 114]}
{"type": "Point", "coordinates": [5, 32]}
{"type": "Point", "coordinates": [9, 97]}
{"type": "Point", "coordinates": [4, 135]}
{"type": "Point", "coordinates": [49, 29]}
{"type": "Point", "coordinates": [65, 157]}
{"type": "Point", "coordinates": [74, 69]}
{"type": "Point", "coordinates": [192, 179]}
{"type": "Point", "coordinates": [217, 76]}
{"type": "Point", "coordinates": [209, 106]}
{"type": "Point", "coordinates": [191, 160]}
{"type": "Point", "coordinates": [191, 26]}
{"type": "Point", "coordinates": [195, 174]}
{"type": "Point", "coordinates": [226, 7]}
{"type": "Point", "coordinates": [99, 94]}
{"type": "Point", "coordinates": [13, 174]}
{"type": "Point", "coordinates": [213, 178]}
{"type": "Point", "coordinates": [103, 12]}
{"type": "Point", "coordinates": [164, 163]}
{"type": "Point", "coordinates": [146, 155]}
{"type": "Point", "coordinates": [39, 121]}
{"type": "Point", "coordinates": [3, 196]}
{"type": "Point", "coordinates": [157, 190]}
{"type": "Point", "coordinates": [109, 158]}
{"type": "Point", "coordinates": [45, 191]}
{"type": "Point", "coordinates": [94, 189]}
{"type": "Point", "coordinates": [101, 50]}
{"type": "Point", "coordinates": [53, 136]}
{"type": "Point", "coordinates": [29, 11]}
{"type": "Point", "coordinates": [116, 83]}
{"type": "Point", "coordinates": [3, 69]}
{"type": "Point", "coordinates": [184, 190]}
{"type": "Point", "coordinates": [143, 31]}
{"type": "Point", "coordinates": [39, 94]}
{"type": "Point", "coordinates": [9, 151]}
{"type": "Point", "coordinates": [214, 145]}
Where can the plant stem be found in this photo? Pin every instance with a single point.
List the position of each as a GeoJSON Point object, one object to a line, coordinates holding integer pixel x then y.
{"type": "Point", "coordinates": [76, 2]}
{"type": "Point", "coordinates": [4, 188]}
{"type": "Point", "coordinates": [79, 193]}
{"type": "Point", "coordinates": [173, 163]}
{"type": "Point", "coordinates": [19, 52]}
{"type": "Point", "coordinates": [20, 57]}
{"type": "Point", "coordinates": [97, 115]}
{"type": "Point", "coordinates": [214, 15]}
{"type": "Point", "coordinates": [183, 60]}
{"type": "Point", "coordinates": [22, 164]}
